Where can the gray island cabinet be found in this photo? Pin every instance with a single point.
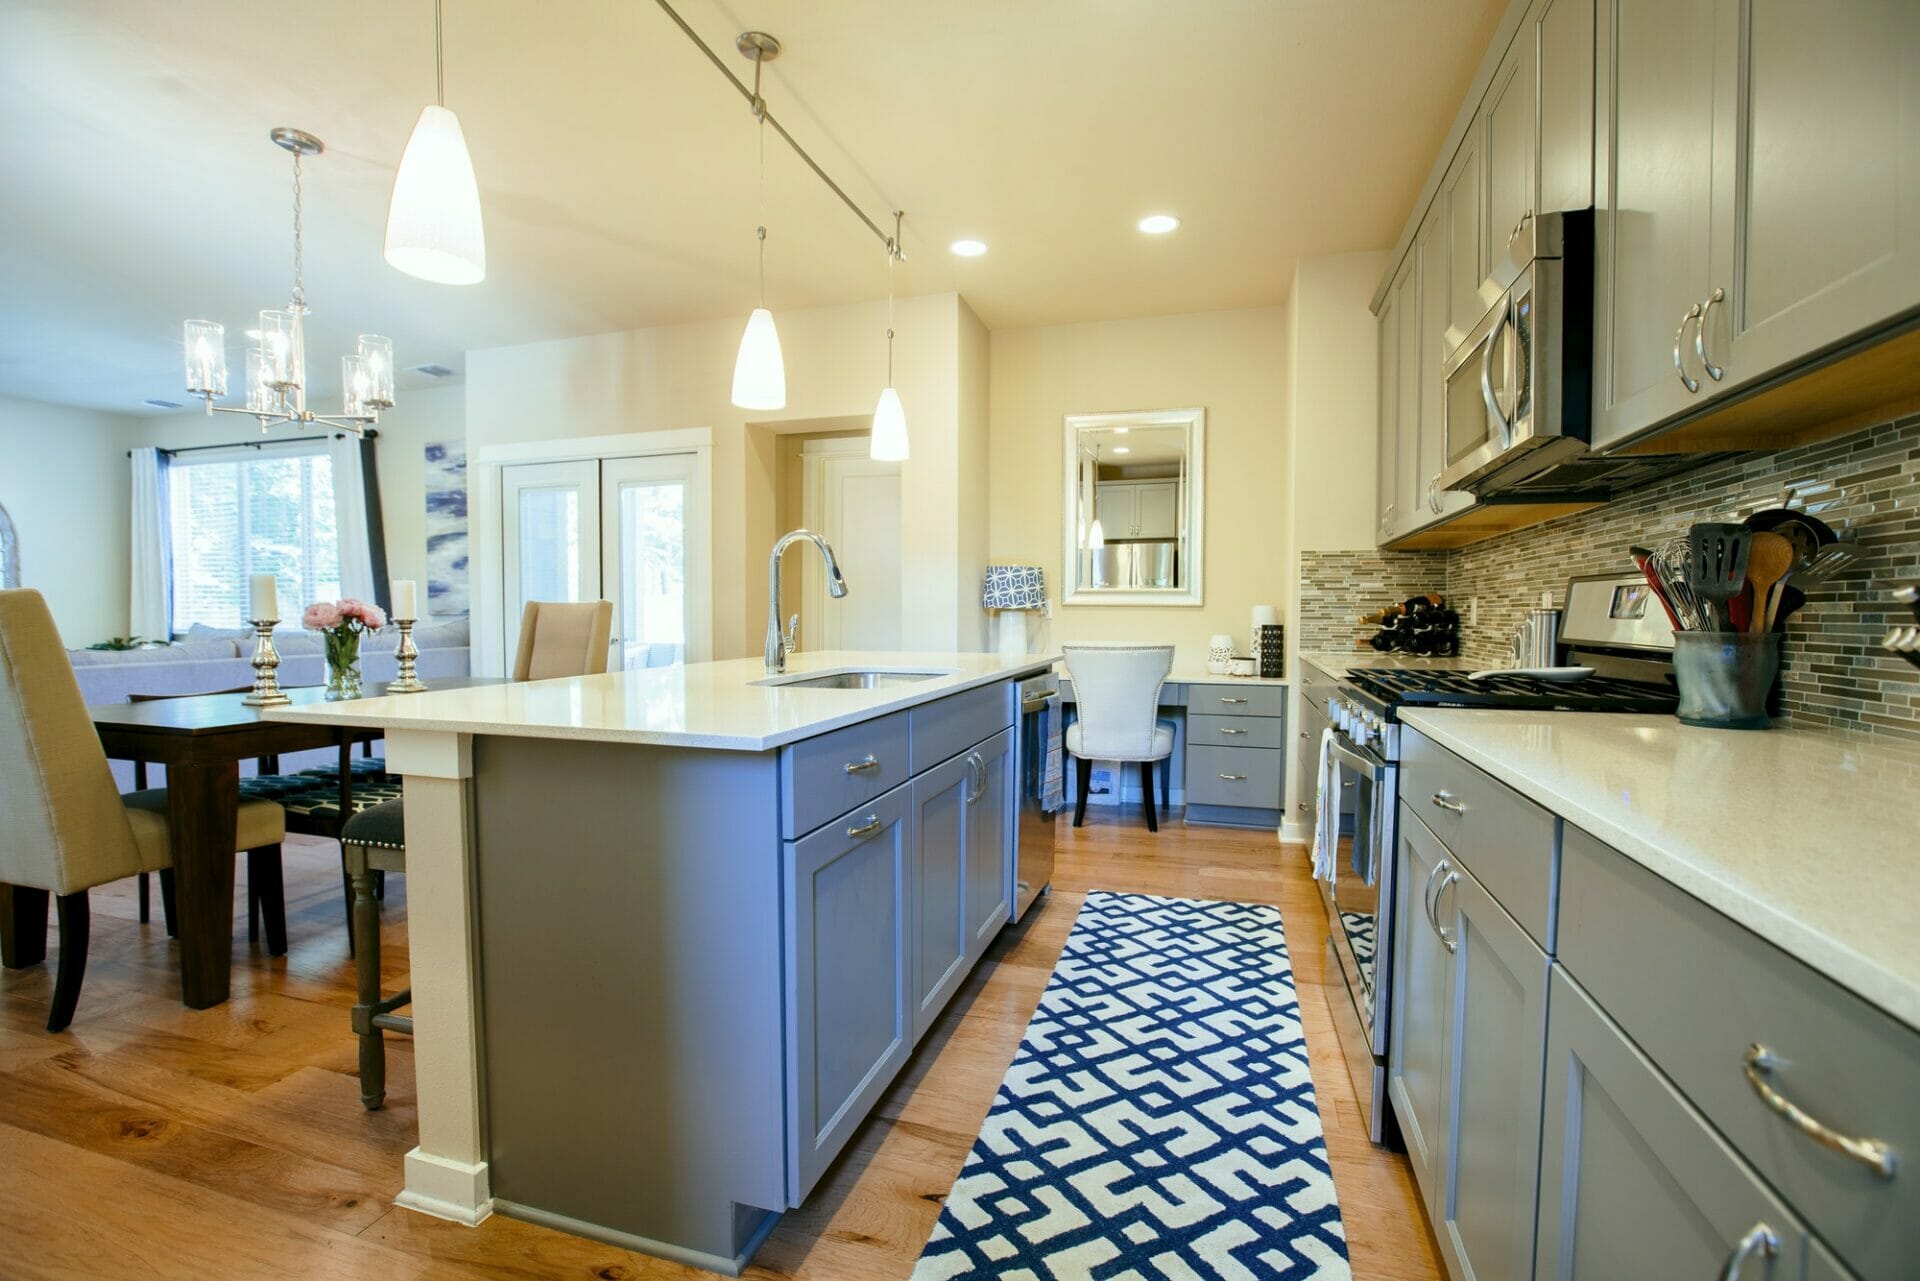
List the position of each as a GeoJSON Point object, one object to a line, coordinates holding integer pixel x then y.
{"type": "Point", "coordinates": [674, 933]}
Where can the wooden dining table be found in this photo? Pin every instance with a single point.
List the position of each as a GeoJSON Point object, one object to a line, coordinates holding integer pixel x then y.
{"type": "Point", "coordinates": [201, 740]}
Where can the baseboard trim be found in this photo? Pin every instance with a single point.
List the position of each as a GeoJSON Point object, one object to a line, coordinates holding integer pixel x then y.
{"type": "Point", "coordinates": [453, 1190]}
{"type": "Point", "coordinates": [1295, 832]}
{"type": "Point", "coordinates": [727, 1266]}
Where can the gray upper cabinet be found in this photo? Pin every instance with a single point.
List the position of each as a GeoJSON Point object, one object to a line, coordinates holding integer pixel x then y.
{"type": "Point", "coordinates": [1563, 31]}
{"type": "Point", "coordinates": [941, 799]}
{"type": "Point", "coordinates": [1823, 171]}
{"type": "Point", "coordinates": [847, 898]}
{"type": "Point", "coordinates": [1496, 1033]}
{"type": "Point", "coordinates": [1416, 1057]}
{"type": "Point", "coordinates": [1634, 1182]}
{"type": "Point", "coordinates": [1509, 119]}
{"type": "Point", "coordinates": [1408, 511]}
{"type": "Point", "coordinates": [1654, 138]}
{"type": "Point", "coordinates": [1429, 501]}
{"type": "Point", "coordinates": [1463, 223]}
{"type": "Point", "coordinates": [1387, 436]}
{"type": "Point", "coordinates": [991, 816]}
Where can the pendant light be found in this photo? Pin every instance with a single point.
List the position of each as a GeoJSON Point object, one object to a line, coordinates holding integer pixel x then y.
{"type": "Point", "coordinates": [1096, 536]}
{"type": "Point", "coordinates": [759, 372]}
{"type": "Point", "coordinates": [434, 230]}
{"type": "Point", "coordinates": [888, 443]}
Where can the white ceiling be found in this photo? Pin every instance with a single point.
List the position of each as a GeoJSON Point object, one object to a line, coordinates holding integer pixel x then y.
{"type": "Point", "coordinates": [616, 167]}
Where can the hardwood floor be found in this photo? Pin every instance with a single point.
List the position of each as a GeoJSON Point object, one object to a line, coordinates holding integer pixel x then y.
{"type": "Point", "coordinates": [155, 1141]}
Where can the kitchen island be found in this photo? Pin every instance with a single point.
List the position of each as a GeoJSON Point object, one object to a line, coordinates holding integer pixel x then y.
{"type": "Point", "coordinates": [674, 931]}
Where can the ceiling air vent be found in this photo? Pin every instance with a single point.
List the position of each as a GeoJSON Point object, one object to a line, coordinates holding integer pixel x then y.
{"type": "Point", "coordinates": [433, 371]}
{"type": "Point", "coordinates": [161, 404]}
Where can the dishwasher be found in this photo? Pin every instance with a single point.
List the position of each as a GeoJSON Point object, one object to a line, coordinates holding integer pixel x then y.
{"type": "Point", "coordinates": [1033, 838]}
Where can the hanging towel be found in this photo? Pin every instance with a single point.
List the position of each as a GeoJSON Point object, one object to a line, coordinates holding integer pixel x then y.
{"type": "Point", "coordinates": [1053, 776]}
{"type": "Point", "coordinates": [1326, 818]}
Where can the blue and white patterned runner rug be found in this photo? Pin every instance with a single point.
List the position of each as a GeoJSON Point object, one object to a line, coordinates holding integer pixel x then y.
{"type": "Point", "coordinates": [1159, 1120]}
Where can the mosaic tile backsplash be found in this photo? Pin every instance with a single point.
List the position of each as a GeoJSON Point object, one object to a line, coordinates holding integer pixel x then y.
{"type": "Point", "coordinates": [1834, 672]}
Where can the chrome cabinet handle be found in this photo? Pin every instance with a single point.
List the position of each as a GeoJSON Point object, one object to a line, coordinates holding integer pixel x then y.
{"type": "Point", "coordinates": [1426, 899]}
{"type": "Point", "coordinates": [1679, 337]}
{"type": "Point", "coordinates": [1520, 226]}
{"type": "Point", "coordinates": [1225, 730]}
{"type": "Point", "coordinates": [861, 767]}
{"type": "Point", "coordinates": [1433, 495]}
{"type": "Point", "coordinates": [1452, 878]}
{"type": "Point", "coordinates": [1444, 799]}
{"type": "Point", "coordinates": [1231, 701]}
{"type": "Point", "coordinates": [1234, 778]}
{"type": "Point", "coordinates": [1715, 372]}
{"type": "Point", "coordinates": [1758, 1063]}
{"type": "Point", "coordinates": [977, 770]}
{"type": "Point", "coordinates": [867, 828]}
{"type": "Point", "coordinates": [1758, 1240]}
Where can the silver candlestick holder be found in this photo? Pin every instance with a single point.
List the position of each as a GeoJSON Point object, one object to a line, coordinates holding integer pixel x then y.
{"type": "Point", "coordinates": [406, 682]}
{"type": "Point", "coordinates": [266, 667]}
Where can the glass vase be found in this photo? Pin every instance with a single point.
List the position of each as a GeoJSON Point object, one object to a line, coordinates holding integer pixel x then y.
{"type": "Point", "coordinates": [343, 664]}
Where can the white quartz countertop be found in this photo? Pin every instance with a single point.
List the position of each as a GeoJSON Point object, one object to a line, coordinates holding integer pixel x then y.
{"type": "Point", "coordinates": [719, 705]}
{"type": "Point", "coordinates": [1337, 663]}
{"type": "Point", "coordinates": [1805, 837]}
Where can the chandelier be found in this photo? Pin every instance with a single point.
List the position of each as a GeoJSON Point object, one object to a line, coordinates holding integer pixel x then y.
{"type": "Point", "coordinates": [277, 366]}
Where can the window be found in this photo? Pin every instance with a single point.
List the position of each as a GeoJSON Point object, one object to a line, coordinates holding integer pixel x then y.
{"type": "Point", "coordinates": [251, 512]}
{"type": "Point", "coordinates": [9, 552]}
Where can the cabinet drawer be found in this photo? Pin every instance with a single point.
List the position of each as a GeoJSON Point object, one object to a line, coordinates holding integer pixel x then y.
{"type": "Point", "coordinates": [1243, 776]}
{"type": "Point", "coordinates": [1695, 990]}
{"type": "Point", "coordinates": [1507, 841]}
{"type": "Point", "coordinates": [1236, 731]}
{"type": "Point", "coordinates": [1237, 700]}
{"type": "Point", "coordinates": [1316, 687]}
{"type": "Point", "coordinates": [944, 729]}
{"type": "Point", "coordinates": [824, 777]}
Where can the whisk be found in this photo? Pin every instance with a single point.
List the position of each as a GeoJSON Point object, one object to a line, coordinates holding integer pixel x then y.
{"type": "Point", "coordinates": [1669, 565]}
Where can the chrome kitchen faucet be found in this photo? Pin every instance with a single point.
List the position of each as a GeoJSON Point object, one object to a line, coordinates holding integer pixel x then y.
{"type": "Point", "coordinates": [836, 588]}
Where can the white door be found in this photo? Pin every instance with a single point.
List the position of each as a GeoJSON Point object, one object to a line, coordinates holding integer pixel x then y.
{"type": "Point", "coordinates": [550, 535]}
{"type": "Point", "coordinates": [854, 503]}
{"type": "Point", "coordinates": [656, 562]}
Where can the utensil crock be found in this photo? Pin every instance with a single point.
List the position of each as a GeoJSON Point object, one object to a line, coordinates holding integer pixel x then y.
{"type": "Point", "coordinates": [1725, 678]}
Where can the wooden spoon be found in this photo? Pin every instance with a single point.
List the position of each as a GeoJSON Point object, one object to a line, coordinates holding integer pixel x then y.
{"type": "Point", "coordinates": [1767, 563]}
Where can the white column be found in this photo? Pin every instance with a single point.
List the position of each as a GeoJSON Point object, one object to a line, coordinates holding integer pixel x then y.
{"type": "Point", "coordinates": [446, 1175]}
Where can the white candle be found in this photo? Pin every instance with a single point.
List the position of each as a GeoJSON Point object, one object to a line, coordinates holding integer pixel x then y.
{"type": "Point", "coordinates": [1265, 616]}
{"type": "Point", "coordinates": [404, 606]}
{"type": "Point", "coordinates": [264, 596]}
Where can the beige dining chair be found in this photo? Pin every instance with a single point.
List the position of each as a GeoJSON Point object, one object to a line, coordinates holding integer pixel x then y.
{"type": "Point", "coordinates": [1116, 691]}
{"type": "Point", "coordinates": [556, 639]}
{"type": "Point", "coordinates": [68, 828]}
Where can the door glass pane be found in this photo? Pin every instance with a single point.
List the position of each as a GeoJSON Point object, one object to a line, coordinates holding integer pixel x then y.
{"type": "Point", "coordinates": [652, 590]}
{"type": "Point", "coordinates": [549, 545]}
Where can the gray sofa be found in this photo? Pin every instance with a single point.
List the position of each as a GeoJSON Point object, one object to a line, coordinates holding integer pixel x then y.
{"type": "Point", "coordinates": [208, 660]}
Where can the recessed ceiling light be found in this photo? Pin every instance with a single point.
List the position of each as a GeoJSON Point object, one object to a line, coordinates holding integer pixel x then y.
{"type": "Point", "coordinates": [1121, 449]}
{"type": "Point", "coordinates": [1159, 224]}
{"type": "Point", "coordinates": [1121, 431]}
{"type": "Point", "coordinates": [968, 248]}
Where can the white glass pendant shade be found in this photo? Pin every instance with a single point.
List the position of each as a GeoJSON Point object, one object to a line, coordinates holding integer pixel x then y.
{"type": "Point", "coordinates": [205, 356]}
{"type": "Point", "coordinates": [376, 358]}
{"type": "Point", "coordinates": [433, 221]}
{"type": "Point", "coordinates": [759, 372]}
{"type": "Point", "coordinates": [261, 398]}
{"type": "Point", "coordinates": [280, 349]}
{"type": "Point", "coordinates": [888, 444]}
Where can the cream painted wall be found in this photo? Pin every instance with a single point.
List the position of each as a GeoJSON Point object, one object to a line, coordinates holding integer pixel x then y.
{"type": "Point", "coordinates": [680, 376]}
{"type": "Point", "coordinates": [64, 481]}
{"type": "Point", "coordinates": [1232, 363]}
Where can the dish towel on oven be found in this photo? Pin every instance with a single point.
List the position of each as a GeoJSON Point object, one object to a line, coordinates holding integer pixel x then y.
{"type": "Point", "coordinates": [1326, 812]}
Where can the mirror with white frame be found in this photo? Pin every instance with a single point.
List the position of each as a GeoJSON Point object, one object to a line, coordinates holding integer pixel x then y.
{"type": "Point", "coordinates": [1134, 511]}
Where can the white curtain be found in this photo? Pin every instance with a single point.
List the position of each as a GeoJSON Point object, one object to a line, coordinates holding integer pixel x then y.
{"type": "Point", "coordinates": [150, 604]}
{"type": "Point", "coordinates": [357, 577]}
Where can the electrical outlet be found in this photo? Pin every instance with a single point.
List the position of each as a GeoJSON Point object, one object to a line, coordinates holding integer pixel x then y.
{"type": "Point", "coordinates": [1473, 612]}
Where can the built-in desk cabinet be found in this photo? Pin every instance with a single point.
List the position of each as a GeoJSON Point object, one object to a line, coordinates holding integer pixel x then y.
{"type": "Point", "coordinates": [1236, 754]}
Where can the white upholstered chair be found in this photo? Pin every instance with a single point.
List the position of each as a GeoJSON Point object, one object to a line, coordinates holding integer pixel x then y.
{"type": "Point", "coordinates": [67, 828]}
{"type": "Point", "coordinates": [1116, 692]}
{"type": "Point", "coordinates": [556, 639]}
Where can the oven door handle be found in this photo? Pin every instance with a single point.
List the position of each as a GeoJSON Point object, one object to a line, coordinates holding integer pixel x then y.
{"type": "Point", "coordinates": [1374, 771]}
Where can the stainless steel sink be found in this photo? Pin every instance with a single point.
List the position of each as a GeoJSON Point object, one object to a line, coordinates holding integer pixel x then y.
{"type": "Point", "coordinates": [874, 679]}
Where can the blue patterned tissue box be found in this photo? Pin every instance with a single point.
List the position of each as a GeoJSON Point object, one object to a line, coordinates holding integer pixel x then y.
{"type": "Point", "coordinates": [1014, 587]}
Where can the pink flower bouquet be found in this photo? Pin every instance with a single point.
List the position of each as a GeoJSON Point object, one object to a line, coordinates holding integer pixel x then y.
{"type": "Point", "coordinates": [343, 622]}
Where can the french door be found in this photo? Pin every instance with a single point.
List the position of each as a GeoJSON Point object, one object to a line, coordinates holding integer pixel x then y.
{"type": "Point", "coordinates": [631, 530]}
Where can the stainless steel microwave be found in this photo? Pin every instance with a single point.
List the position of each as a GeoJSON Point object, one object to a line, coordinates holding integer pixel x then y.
{"type": "Point", "coordinates": [1519, 389]}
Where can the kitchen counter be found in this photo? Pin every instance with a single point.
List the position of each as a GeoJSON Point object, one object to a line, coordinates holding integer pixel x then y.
{"type": "Point", "coordinates": [724, 705]}
{"type": "Point", "coordinates": [1337, 663]}
{"type": "Point", "coordinates": [1802, 836]}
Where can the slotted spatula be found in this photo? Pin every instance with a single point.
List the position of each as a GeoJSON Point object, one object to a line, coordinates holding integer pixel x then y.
{"type": "Point", "coordinates": [1717, 565]}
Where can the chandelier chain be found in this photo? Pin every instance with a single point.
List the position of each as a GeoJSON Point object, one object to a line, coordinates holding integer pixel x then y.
{"type": "Point", "coordinates": [299, 282]}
